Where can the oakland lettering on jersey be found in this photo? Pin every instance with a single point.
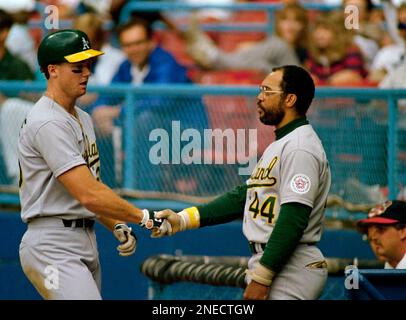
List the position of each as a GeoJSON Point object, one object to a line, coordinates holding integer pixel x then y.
{"type": "Point", "coordinates": [262, 173]}
{"type": "Point", "coordinates": [91, 156]}
{"type": "Point", "coordinates": [91, 150]}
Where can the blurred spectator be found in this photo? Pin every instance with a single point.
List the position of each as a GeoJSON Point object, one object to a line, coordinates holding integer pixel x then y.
{"type": "Point", "coordinates": [368, 34]}
{"type": "Point", "coordinates": [367, 28]}
{"type": "Point", "coordinates": [386, 231]}
{"type": "Point", "coordinates": [20, 41]}
{"type": "Point", "coordinates": [105, 9]}
{"type": "Point", "coordinates": [334, 59]}
{"type": "Point", "coordinates": [263, 56]}
{"type": "Point", "coordinates": [212, 13]}
{"type": "Point", "coordinates": [11, 67]}
{"type": "Point", "coordinates": [100, 7]}
{"type": "Point", "coordinates": [70, 8]}
{"type": "Point", "coordinates": [66, 8]}
{"type": "Point", "coordinates": [395, 78]}
{"type": "Point", "coordinates": [150, 16]}
{"type": "Point", "coordinates": [106, 65]}
{"type": "Point", "coordinates": [292, 26]}
{"type": "Point", "coordinates": [148, 63]}
{"type": "Point", "coordinates": [390, 11]}
{"type": "Point", "coordinates": [389, 58]}
{"type": "Point", "coordinates": [115, 9]}
{"type": "Point", "coordinates": [12, 110]}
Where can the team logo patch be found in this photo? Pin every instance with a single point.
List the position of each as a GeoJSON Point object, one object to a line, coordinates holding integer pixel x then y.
{"type": "Point", "coordinates": [86, 44]}
{"type": "Point", "coordinates": [300, 183]}
{"type": "Point", "coordinates": [379, 209]}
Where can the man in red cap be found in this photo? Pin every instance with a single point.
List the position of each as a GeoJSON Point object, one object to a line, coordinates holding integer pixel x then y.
{"type": "Point", "coordinates": [386, 231]}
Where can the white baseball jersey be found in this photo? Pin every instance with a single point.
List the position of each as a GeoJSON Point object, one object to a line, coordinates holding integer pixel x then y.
{"type": "Point", "coordinates": [400, 265]}
{"type": "Point", "coordinates": [51, 142]}
{"type": "Point", "coordinates": [293, 168]}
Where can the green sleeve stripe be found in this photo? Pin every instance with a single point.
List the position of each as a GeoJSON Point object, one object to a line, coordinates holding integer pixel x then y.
{"type": "Point", "coordinates": [292, 221]}
{"type": "Point", "coordinates": [225, 208]}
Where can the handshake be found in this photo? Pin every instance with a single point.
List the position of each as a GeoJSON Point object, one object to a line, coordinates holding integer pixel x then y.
{"type": "Point", "coordinates": [161, 223]}
{"type": "Point", "coordinates": [174, 222]}
{"type": "Point", "coordinates": [167, 222]}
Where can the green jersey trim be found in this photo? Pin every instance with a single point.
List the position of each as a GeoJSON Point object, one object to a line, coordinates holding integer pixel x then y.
{"type": "Point", "coordinates": [281, 132]}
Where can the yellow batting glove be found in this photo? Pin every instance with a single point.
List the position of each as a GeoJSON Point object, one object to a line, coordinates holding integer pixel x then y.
{"type": "Point", "coordinates": [174, 222]}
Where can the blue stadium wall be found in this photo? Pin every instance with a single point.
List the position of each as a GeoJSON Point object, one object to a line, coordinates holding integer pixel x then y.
{"type": "Point", "coordinates": [121, 278]}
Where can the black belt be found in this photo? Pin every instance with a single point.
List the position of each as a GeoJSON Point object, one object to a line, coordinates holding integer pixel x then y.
{"type": "Point", "coordinates": [254, 245]}
{"type": "Point", "coordinates": [78, 223]}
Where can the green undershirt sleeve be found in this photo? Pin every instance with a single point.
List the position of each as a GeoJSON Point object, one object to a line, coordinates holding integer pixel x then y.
{"type": "Point", "coordinates": [225, 208]}
{"type": "Point", "coordinates": [292, 221]}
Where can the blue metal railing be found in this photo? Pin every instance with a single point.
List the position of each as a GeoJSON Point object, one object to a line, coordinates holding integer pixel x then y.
{"type": "Point", "coordinates": [178, 6]}
{"type": "Point", "coordinates": [378, 284]}
{"type": "Point", "coordinates": [130, 92]}
{"type": "Point", "coordinates": [168, 6]}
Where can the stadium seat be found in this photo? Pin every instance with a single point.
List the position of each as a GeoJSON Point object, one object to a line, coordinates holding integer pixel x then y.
{"type": "Point", "coordinates": [230, 41]}
{"type": "Point", "coordinates": [228, 77]}
{"type": "Point", "coordinates": [175, 45]}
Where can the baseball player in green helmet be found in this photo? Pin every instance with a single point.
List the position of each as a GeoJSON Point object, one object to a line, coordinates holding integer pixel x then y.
{"type": "Point", "coordinates": [60, 190]}
{"type": "Point", "coordinates": [283, 201]}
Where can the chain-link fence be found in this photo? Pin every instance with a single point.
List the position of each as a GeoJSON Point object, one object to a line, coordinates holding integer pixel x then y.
{"type": "Point", "coordinates": [201, 141]}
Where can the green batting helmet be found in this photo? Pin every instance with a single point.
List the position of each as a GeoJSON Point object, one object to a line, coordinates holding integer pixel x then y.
{"type": "Point", "coordinates": [65, 46]}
